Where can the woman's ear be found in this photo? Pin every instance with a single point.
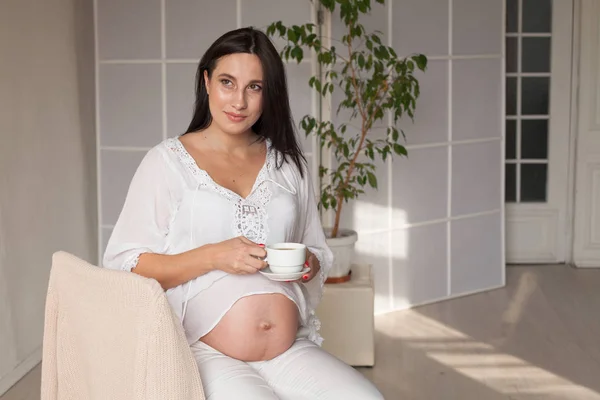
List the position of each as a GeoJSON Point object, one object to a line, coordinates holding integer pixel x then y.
{"type": "Point", "coordinates": [206, 82]}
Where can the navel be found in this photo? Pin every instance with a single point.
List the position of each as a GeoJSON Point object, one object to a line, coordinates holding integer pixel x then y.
{"type": "Point", "coordinates": [265, 326]}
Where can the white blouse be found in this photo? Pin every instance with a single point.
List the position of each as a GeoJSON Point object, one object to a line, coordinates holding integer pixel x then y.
{"type": "Point", "coordinates": [173, 206]}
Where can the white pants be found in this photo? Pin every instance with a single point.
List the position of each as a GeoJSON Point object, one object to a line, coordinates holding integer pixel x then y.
{"type": "Point", "coordinates": [303, 372]}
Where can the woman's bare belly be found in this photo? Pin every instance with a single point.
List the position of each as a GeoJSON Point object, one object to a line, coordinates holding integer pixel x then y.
{"type": "Point", "coordinates": [257, 328]}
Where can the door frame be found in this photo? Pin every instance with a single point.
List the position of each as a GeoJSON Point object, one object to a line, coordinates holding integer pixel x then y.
{"type": "Point", "coordinates": [573, 133]}
{"type": "Point", "coordinates": [560, 239]}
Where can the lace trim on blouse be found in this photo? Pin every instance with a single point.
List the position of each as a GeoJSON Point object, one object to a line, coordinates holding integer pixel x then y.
{"type": "Point", "coordinates": [250, 216]}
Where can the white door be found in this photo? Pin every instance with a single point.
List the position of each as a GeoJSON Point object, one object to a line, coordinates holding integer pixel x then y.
{"type": "Point", "coordinates": [538, 120]}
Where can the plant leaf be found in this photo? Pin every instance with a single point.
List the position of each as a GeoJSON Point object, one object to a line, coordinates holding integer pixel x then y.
{"type": "Point", "coordinates": [400, 150]}
{"type": "Point", "coordinates": [421, 61]}
{"type": "Point", "coordinates": [292, 36]}
{"type": "Point", "coordinates": [297, 53]}
{"type": "Point", "coordinates": [372, 179]}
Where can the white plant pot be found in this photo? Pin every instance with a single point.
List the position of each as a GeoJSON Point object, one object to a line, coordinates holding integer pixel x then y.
{"type": "Point", "coordinates": [343, 251]}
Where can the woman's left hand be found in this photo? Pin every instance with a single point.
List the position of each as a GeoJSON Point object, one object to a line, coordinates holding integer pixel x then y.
{"type": "Point", "coordinates": [312, 262]}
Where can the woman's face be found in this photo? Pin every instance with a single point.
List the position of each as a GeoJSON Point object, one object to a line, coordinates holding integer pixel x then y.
{"type": "Point", "coordinates": [235, 92]}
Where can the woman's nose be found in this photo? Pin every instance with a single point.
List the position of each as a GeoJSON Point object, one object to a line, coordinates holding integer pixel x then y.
{"type": "Point", "coordinates": [240, 100]}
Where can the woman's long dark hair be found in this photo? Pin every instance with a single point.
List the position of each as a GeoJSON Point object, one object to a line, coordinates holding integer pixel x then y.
{"type": "Point", "coordinates": [276, 121]}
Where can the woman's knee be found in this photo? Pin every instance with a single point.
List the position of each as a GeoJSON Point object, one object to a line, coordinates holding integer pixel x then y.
{"type": "Point", "coordinates": [240, 390]}
{"type": "Point", "coordinates": [308, 370]}
{"type": "Point", "coordinates": [361, 389]}
{"type": "Point", "coordinates": [355, 389]}
{"type": "Point", "coordinates": [225, 378]}
{"type": "Point", "coordinates": [235, 382]}
{"type": "Point", "coordinates": [350, 385]}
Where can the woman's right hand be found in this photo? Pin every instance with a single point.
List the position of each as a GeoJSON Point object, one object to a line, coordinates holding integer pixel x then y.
{"type": "Point", "coordinates": [238, 256]}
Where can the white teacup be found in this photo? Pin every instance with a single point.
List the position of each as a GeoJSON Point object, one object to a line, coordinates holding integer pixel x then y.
{"type": "Point", "coordinates": [286, 257]}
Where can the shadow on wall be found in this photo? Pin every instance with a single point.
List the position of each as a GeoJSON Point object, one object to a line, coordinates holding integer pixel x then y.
{"type": "Point", "coordinates": [84, 47]}
{"type": "Point", "coordinates": [409, 263]}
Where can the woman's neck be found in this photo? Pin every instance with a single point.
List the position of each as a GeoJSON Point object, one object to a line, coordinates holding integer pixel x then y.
{"type": "Point", "coordinates": [228, 143]}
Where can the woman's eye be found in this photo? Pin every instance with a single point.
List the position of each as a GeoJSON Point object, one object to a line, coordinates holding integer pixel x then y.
{"type": "Point", "coordinates": [256, 87]}
{"type": "Point", "coordinates": [226, 82]}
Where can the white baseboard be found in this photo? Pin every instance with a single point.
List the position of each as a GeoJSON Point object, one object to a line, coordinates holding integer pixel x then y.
{"type": "Point", "coordinates": [439, 300]}
{"type": "Point", "coordinates": [9, 380]}
{"type": "Point", "coordinates": [587, 263]}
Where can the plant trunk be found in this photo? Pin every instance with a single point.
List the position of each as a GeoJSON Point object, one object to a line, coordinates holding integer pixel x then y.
{"type": "Point", "coordinates": [366, 125]}
{"type": "Point", "coordinates": [338, 213]}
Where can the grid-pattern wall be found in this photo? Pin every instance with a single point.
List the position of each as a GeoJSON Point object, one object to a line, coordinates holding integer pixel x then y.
{"type": "Point", "coordinates": [434, 229]}
{"type": "Point", "coordinates": [147, 53]}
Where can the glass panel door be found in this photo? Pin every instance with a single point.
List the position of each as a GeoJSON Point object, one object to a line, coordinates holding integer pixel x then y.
{"type": "Point", "coordinates": [538, 43]}
{"type": "Point", "coordinates": [528, 76]}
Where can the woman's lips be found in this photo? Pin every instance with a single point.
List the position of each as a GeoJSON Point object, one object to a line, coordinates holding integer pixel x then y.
{"type": "Point", "coordinates": [235, 117]}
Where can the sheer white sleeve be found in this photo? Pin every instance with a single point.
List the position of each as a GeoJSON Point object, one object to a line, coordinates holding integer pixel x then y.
{"type": "Point", "coordinates": [314, 238]}
{"type": "Point", "coordinates": [144, 221]}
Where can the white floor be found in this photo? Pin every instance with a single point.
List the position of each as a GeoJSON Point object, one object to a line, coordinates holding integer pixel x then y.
{"type": "Point", "coordinates": [538, 338]}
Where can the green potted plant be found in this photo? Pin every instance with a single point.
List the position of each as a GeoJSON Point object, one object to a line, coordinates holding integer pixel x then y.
{"type": "Point", "coordinates": [375, 83]}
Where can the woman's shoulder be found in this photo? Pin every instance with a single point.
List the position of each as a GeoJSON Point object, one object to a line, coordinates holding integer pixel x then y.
{"type": "Point", "coordinates": [166, 151]}
{"type": "Point", "coordinates": [163, 156]}
{"type": "Point", "coordinates": [160, 166]}
{"type": "Point", "coordinates": [298, 174]}
{"type": "Point", "coordinates": [170, 145]}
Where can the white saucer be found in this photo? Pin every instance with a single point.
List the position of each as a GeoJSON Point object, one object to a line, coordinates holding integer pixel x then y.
{"type": "Point", "coordinates": [290, 276]}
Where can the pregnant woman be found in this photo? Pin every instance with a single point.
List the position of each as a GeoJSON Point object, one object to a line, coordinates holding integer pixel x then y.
{"type": "Point", "coordinates": [198, 213]}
